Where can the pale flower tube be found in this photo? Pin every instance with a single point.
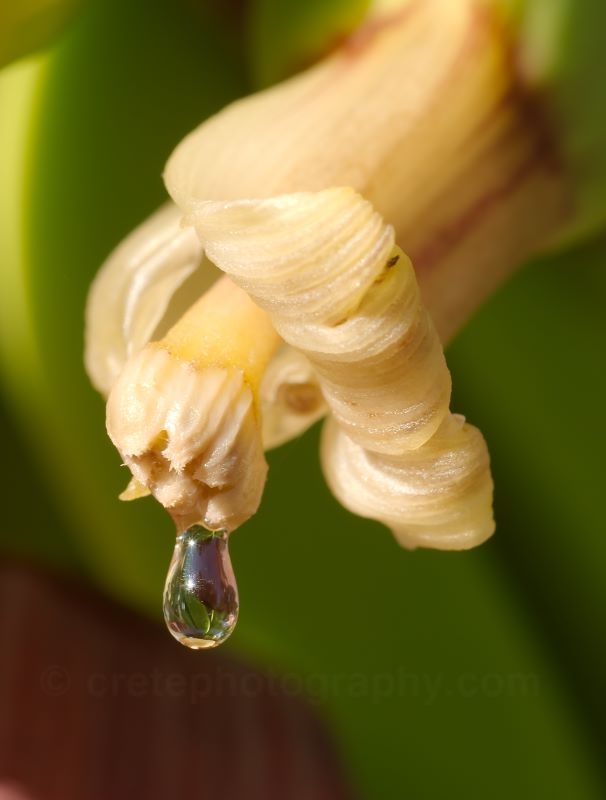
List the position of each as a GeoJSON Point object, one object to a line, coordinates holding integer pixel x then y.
{"type": "Point", "coordinates": [184, 415]}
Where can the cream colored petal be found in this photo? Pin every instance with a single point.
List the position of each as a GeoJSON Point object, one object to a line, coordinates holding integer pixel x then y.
{"type": "Point", "coordinates": [190, 437]}
{"type": "Point", "coordinates": [323, 266]}
{"type": "Point", "coordinates": [184, 413]}
{"type": "Point", "coordinates": [437, 496]}
{"type": "Point", "coordinates": [145, 285]}
{"type": "Point", "coordinates": [130, 298]}
{"type": "Point", "coordinates": [134, 491]}
{"type": "Point", "coordinates": [424, 113]}
{"type": "Point", "coordinates": [343, 122]}
{"type": "Point", "coordinates": [291, 398]}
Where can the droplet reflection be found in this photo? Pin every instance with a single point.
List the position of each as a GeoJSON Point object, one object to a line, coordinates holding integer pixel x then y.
{"type": "Point", "coordinates": [200, 595]}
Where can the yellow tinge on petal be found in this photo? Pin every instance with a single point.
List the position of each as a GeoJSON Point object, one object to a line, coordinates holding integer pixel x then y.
{"type": "Point", "coordinates": [184, 412]}
{"type": "Point", "coordinates": [145, 286]}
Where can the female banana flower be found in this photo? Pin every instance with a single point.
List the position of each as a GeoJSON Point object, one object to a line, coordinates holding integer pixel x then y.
{"type": "Point", "coordinates": [418, 131]}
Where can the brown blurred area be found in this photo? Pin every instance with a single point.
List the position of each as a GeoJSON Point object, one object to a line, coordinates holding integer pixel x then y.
{"type": "Point", "coordinates": [98, 703]}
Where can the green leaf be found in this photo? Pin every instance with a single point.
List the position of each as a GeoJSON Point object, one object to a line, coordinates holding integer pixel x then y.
{"type": "Point", "coordinates": [529, 371]}
{"type": "Point", "coordinates": [32, 525]}
{"type": "Point", "coordinates": [195, 612]}
{"type": "Point", "coordinates": [433, 667]}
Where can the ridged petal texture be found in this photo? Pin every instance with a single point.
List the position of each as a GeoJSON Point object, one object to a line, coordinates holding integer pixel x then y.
{"type": "Point", "coordinates": [436, 496]}
{"type": "Point", "coordinates": [190, 436]}
{"type": "Point", "coordinates": [319, 264]}
{"type": "Point", "coordinates": [325, 267]}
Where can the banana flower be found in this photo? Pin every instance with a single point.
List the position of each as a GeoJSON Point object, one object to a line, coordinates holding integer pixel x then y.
{"type": "Point", "coordinates": [416, 133]}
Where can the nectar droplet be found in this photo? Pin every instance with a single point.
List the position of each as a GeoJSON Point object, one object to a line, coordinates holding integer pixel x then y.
{"type": "Point", "coordinates": [200, 595]}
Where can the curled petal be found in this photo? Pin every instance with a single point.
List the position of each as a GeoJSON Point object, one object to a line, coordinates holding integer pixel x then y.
{"type": "Point", "coordinates": [437, 496]}
{"type": "Point", "coordinates": [325, 268]}
{"type": "Point", "coordinates": [130, 299]}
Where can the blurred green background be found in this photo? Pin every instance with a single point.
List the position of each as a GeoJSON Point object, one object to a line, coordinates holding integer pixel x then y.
{"type": "Point", "coordinates": [477, 674]}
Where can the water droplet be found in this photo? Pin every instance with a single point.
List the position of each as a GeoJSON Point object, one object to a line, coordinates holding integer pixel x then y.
{"type": "Point", "coordinates": [200, 595]}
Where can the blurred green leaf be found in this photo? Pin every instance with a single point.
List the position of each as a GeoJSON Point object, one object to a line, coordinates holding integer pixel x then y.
{"type": "Point", "coordinates": [529, 370]}
{"type": "Point", "coordinates": [32, 526]}
{"type": "Point", "coordinates": [27, 25]}
{"type": "Point", "coordinates": [433, 666]}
